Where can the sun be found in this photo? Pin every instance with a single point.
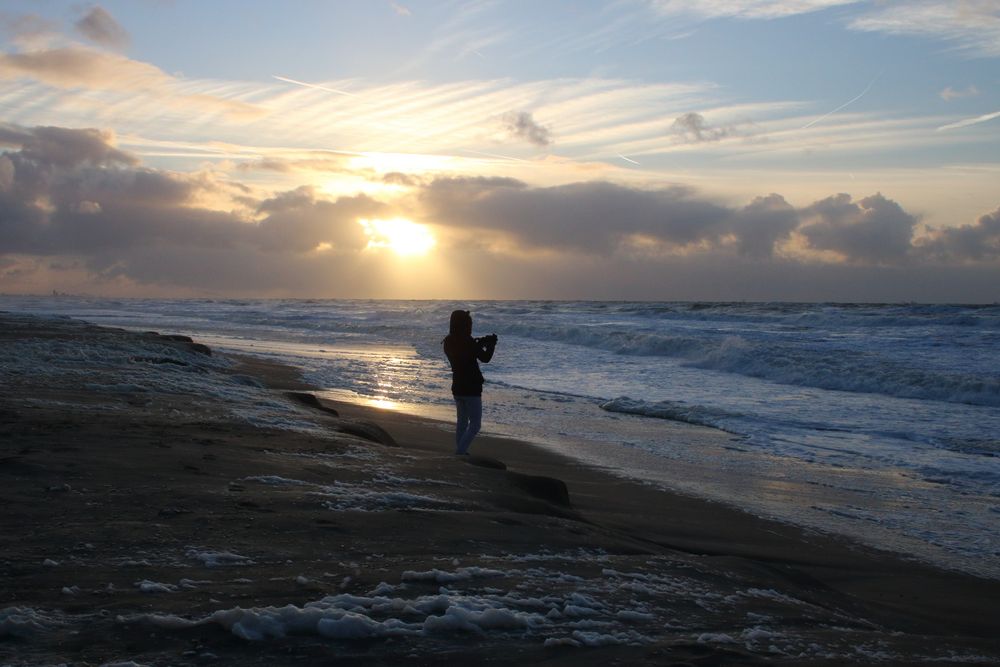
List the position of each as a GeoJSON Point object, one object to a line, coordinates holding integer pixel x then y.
{"type": "Point", "coordinates": [404, 237]}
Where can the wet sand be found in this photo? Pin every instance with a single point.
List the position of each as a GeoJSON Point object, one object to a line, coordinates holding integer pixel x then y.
{"type": "Point", "coordinates": [172, 526]}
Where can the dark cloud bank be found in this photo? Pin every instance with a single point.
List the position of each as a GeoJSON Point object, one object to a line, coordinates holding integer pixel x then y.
{"type": "Point", "coordinates": [71, 201]}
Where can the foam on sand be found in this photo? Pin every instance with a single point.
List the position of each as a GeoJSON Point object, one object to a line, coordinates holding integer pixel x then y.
{"type": "Point", "coordinates": [347, 616]}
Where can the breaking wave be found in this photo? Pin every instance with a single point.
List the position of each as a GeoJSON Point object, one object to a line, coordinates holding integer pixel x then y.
{"type": "Point", "coordinates": [698, 415]}
{"type": "Point", "coordinates": [839, 369]}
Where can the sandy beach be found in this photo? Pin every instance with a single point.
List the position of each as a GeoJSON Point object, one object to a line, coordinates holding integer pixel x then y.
{"type": "Point", "coordinates": [164, 505]}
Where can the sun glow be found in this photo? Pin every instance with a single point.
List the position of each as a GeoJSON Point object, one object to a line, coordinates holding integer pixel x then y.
{"type": "Point", "coordinates": [404, 237]}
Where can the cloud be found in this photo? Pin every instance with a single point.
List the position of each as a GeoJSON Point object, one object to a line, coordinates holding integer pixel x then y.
{"type": "Point", "coordinates": [974, 25]}
{"type": "Point", "coordinates": [949, 93]}
{"type": "Point", "coordinates": [101, 27]}
{"type": "Point", "coordinates": [605, 219]}
{"type": "Point", "coordinates": [401, 179]}
{"type": "Point", "coordinates": [762, 224]}
{"type": "Point", "coordinates": [312, 162]}
{"type": "Point", "coordinates": [71, 193]}
{"type": "Point", "coordinates": [297, 221]}
{"type": "Point", "coordinates": [75, 208]}
{"type": "Point", "coordinates": [691, 127]}
{"type": "Point", "coordinates": [267, 164]}
{"type": "Point", "coordinates": [970, 121]}
{"type": "Point", "coordinates": [712, 275]}
{"type": "Point", "coordinates": [873, 230]}
{"type": "Point", "coordinates": [746, 9]}
{"type": "Point", "coordinates": [976, 242]}
{"type": "Point", "coordinates": [88, 207]}
{"type": "Point", "coordinates": [26, 28]}
{"type": "Point", "coordinates": [73, 67]}
{"type": "Point", "coordinates": [522, 125]}
{"type": "Point", "coordinates": [601, 217]}
{"type": "Point", "coordinates": [400, 9]}
{"type": "Point", "coordinates": [57, 146]}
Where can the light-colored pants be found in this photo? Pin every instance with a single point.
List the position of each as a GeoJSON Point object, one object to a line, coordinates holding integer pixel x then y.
{"type": "Point", "coordinates": [470, 418]}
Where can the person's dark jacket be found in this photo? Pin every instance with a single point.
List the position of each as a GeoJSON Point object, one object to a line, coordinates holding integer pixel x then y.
{"type": "Point", "coordinates": [464, 354]}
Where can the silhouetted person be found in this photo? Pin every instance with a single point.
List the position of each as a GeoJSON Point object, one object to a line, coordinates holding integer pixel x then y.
{"type": "Point", "coordinates": [464, 354]}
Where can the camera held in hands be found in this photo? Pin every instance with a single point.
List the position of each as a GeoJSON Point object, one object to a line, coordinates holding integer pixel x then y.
{"type": "Point", "coordinates": [490, 340]}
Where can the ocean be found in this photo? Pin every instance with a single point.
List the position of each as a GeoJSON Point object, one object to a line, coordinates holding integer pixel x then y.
{"type": "Point", "coordinates": [878, 422]}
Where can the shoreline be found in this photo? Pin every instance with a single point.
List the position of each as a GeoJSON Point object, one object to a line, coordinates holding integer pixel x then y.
{"type": "Point", "coordinates": [918, 485]}
{"type": "Point", "coordinates": [725, 487]}
{"type": "Point", "coordinates": [703, 527]}
{"type": "Point", "coordinates": [140, 523]}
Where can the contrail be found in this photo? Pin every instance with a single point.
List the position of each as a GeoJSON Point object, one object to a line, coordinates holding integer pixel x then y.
{"type": "Point", "coordinates": [628, 159]}
{"type": "Point", "coordinates": [845, 104]}
{"type": "Point", "coordinates": [970, 121]}
{"type": "Point", "coordinates": [503, 157]}
{"type": "Point", "coordinates": [313, 85]}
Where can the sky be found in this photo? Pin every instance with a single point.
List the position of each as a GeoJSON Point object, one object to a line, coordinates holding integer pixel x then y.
{"type": "Point", "coordinates": [765, 150]}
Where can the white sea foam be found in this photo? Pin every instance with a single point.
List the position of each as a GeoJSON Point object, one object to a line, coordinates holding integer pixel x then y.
{"type": "Point", "coordinates": [675, 410]}
{"type": "Point", "coordinates": [347, 496]}
{"type": "Point", "coordinates": [592, 612]}
{"type": "Point", "coordinates": [348, 617]}
{"type": "Point", "coordinates": [24, 622]}
{"type": "Point", "coordinates": [211, 558]}
{"type": "Point", "coordinates": [786, 363]}
{"type": "Point", "coordinates": [276, 480]}
{"type": "Point", "coordinates": [443, 577]}
{"type": "Point", "coordinates": [147, 586]}
{"type": "Point", "coordinates": [343, 496]}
